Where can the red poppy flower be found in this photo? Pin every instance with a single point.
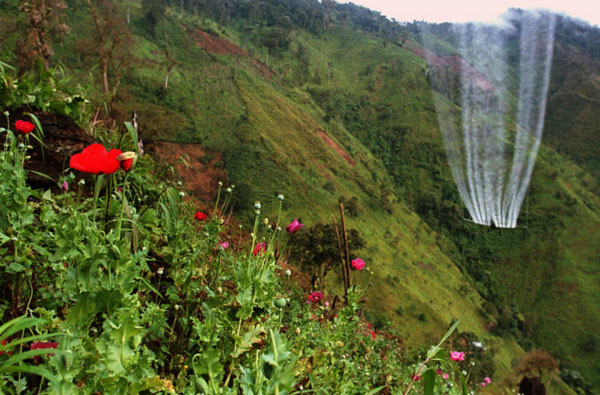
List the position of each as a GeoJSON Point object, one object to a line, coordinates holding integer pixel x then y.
{"type": "Point", "coordinates": [4, 344]}
{"type": "Point", "coordinates": [24, 127]}
{"type": "Point", "coordinates": [200, 216]}
{"type": "Point", "coordinates": [41, 345]}
{"type": "Point", "coordinates": [259, 248]}
{"type": "Point", "coordinates": [95, 159]}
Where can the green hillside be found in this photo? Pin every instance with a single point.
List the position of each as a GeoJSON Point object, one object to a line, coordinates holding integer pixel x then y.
{"type": "Point", "coordinates": [324, 102]}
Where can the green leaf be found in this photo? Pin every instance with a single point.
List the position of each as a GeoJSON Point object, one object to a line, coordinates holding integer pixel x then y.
{"type": "Point", "coordinates": [376, 390]}
{"type": "Point", "coordinates": [429, 380]}
{"type": "Point", "coordinates": [463, 383]}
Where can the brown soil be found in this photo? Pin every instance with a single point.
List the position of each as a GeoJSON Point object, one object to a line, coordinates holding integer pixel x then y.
{"type": "Point", "coordinates": [219, 46]}
{"type": "Point", "coordinates": [329, 141]}
{"type": "Point", "coordinates": [202, 175]}
{"type": "Point", "coordinates": [456, 63]}
{"type": "Point", "coordinates": [62, 138]}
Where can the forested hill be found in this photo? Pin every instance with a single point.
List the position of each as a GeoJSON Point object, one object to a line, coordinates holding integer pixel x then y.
{"type": "Point", "coordinates": [328, 103]}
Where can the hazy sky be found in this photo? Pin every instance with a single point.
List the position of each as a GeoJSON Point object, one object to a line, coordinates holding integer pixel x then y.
{"type": "Point", "coordinates": [475, 10]}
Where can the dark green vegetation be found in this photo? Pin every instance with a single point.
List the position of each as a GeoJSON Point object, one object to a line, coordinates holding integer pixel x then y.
{"type": "Point", "coordinates": [323, 102]}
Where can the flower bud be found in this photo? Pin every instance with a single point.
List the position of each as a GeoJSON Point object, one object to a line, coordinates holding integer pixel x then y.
{"type": "Point", "coordinates": [81, 182]}
{"type": "Point", "coordinates": [280, 303]}
{"type": "Point", "coordinates": [257, 205]}
{"type": "Point", "coordinates": [21, 146]}
{"type": "Point", "coordinates": [288, 273]}
{"type": "Point", "coordinates": [220, 183]}
{"type": "Point", "coordinates": [126, 160]}
{"type": "Point", "coordinates": [266, 221]}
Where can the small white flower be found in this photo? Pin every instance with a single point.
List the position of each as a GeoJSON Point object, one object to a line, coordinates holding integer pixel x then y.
{"type": "Point", "coordinates": [257, 205]}
{"type": "Point", "coordinates": [220, 183]}
{"type": "Point", "coordinates": [21, 146]}
{"type": "Point", "coordinates": [229, 190]}
{"type": "Point", "coordinates": [160, 271]}
{"type": "Point", "coordinates": [81, 182]}
{"type": "Point", "coordinates": [182, 194]}
{"type": "Point", "coordinates": [176, 307]}
{"type": "Point", "coordinates": [280, 197]}
{"type": "Point", "coordinates": [279, 228]}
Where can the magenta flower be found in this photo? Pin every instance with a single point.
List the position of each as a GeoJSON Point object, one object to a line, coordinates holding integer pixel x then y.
{"type": "Point", "coordinates": [487, 380]}
{"type": "Point", "coordinates": [223, 245]}
{"type": "Point", "coordinates": [482, 384]}
{"type": "Point", "coordinates": [457, 356]}
{"type": "Point", "coordinates": [65, 186]}
{"type": "Point", "coordinates": [294, 226]}
{"type": "Point", "coordinates": [358, 264]}
{"type": "Point", "coordinates": [314, 297]}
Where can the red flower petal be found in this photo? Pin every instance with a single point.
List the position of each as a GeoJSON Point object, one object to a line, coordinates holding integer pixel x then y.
{"type": "Point", "coordinates": [95, 159]}
{"type": "Point", "coordinates": [24, 127]}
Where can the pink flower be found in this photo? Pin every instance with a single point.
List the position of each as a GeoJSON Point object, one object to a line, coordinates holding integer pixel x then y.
{"type": "Point", "coordinates": [457, 356]}
{"type": "Point", "coordinates": [314, 297]}
{"type": "Point", "coordinates": [358, 264]}
{"type": "Point", "coordinates": [24, 127]}
{"type": "Point", "coordinates": [294, 226]}
{"type": "Point", "coordinates": [223, 245]}
{"type": "Point", "coordinates": [259, 248]}
{"type": "Point", "coordinates": [487, 380]}
{"type": "Point", "coordinates": [65, 186]}
{"type": "Point", "coordinates": [482, 384]}
{"type": "Point", "coordinates": [439, 371]}
{"type": "Point", "coordinates": [445, 376]}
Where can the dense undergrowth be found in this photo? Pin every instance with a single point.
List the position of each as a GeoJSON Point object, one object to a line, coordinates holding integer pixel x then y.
{"type": "Point", "coordinates": [116, 283]}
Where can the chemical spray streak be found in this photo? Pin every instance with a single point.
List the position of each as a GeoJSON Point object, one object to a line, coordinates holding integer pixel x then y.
{"type": "Point", "coordinates": [477, 140]}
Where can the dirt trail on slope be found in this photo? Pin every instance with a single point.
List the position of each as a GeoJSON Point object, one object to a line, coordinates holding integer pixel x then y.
{"type": "Point", "coordinates": [220, 46]}
{"type": "Point", "coordinates": [329, 141]}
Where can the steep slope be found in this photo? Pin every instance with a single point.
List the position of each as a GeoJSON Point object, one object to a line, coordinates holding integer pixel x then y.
{"type": "Point", "coordinates": [336, 111]}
